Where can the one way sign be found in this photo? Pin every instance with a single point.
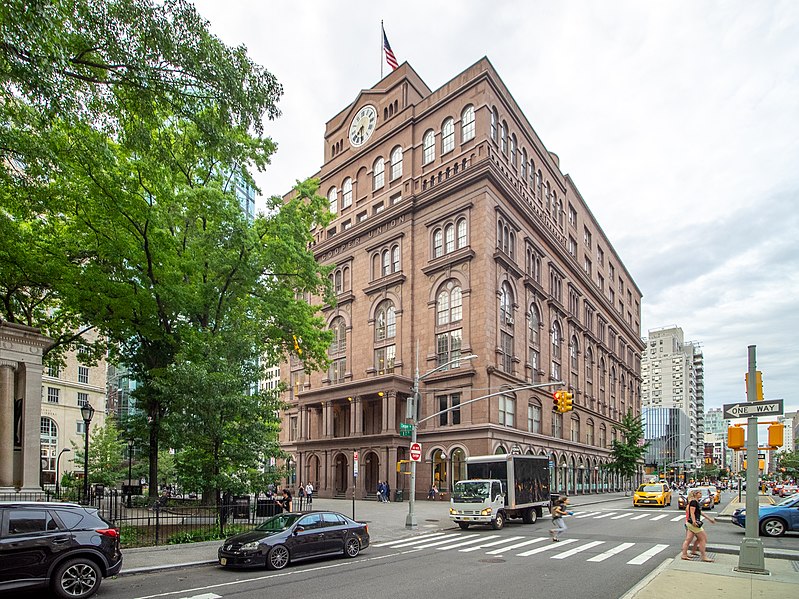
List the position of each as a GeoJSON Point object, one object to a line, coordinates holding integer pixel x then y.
{"type": "Point", "coordinates": [746, 409]}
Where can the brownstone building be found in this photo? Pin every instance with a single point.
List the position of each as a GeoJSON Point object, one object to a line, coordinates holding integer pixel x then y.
{"type": "Point", "coordinates": [456, 234]}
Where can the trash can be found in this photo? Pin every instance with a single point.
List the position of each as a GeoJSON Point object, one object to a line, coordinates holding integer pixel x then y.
{"type": "Point", "coordinates": [399, 495]}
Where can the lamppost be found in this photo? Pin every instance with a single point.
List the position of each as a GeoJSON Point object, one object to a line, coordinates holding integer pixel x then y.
{"type": "Point", "coordinates": [58, 471]}
{"type": "Point", "coordinates": [86, 412]}
{"type": "Point", "coordinates": [131, 443]}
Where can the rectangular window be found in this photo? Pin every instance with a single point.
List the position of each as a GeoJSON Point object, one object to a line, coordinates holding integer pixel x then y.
{"type": "Point", "coordinates": [533, 418]}
{"type": "Point", "coordinates": [83, 375]}
{"type": "Point", "coordinates": [53, 394]}
{"type": "Point", "coordinates": [384, 359]}
{"type": "Point", "coordinates": [557, 425]}
{"type": "Point", "coordinates": [535, 365]}
{"type": "Point", "coordinates": [572, 246]}
{"type": "Point", "coordinates": [555, 374]}
{"type": "Point", "coordinates": [572, 216]}
{"type": "Point", "coordinates": [448, 348]}
{"type": "Point", "coordinates": [587, 237]}
{"type": "Point", "coordinates": [53, 371]}
{"type": "Point", "coordinates": [450, 403]}
{"type": "Point", "coordinates": [588, 267]}
{"type": "Point", "coordinates": [337, 370]}
{"type": "Point", "coordinates": [507, 351]}
{"type": "Point", "coordinates": [575, 432]}
{"type": "Point", "coordinates": [293, 428]}
{"type": "Point", "coordinates": [83, 399]}
{"type": "Point", "coordinates": [507, 410]}
{"type": "Point", "coordinates": [80, 427]}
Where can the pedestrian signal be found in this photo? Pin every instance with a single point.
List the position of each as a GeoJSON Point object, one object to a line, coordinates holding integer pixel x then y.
{"type": "Point", "coordinates": [735, 437]}
{"type": "Point", "coordinates": [775, 435]}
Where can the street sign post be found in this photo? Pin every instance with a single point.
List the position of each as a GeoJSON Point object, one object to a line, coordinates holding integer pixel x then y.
{"type": "Point", "coordinates": [748, 409]}
{"type": "Point", "coordinates": [355, 464]}
{"type": "Point", "coordinates": [416, 452]}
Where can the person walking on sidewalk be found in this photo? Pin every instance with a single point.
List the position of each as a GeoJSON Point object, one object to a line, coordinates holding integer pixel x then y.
{"type": "Point", "coordinates": [693, 524]}
{"type": "Point", "coordinates": [558, 513]}
{"type": "Point", "coordinates": [309, 493]}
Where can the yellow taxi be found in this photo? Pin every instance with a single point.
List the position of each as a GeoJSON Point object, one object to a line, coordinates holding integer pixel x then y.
{"type": "Point", "coordinates": [716, 492]}
{"type": "Point", "coordinates": [652, 494]}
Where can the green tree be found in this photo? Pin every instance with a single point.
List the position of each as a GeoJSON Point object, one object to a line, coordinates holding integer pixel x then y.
{"type": "Point", "coordinates": [788, 464]}
{"type": "Point", "coordinates": [107, 452]}
{"type": "Point", "coordinates": [628, 452]}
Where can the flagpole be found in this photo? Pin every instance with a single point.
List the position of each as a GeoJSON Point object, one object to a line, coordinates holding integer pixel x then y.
{"type": "Point", "coordinates": [381, 48]}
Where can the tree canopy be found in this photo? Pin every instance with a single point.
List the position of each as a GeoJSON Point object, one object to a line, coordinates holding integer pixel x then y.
{"type": "Point", "coordinates": [628, 452]}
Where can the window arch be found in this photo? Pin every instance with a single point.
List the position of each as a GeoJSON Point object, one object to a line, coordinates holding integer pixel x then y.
{"type": "Point", "coordinates": [449, 305]}
{"type": "Point", "coordinates": [503, 137]}
{"type": "Point", "coordinates": [346, 193]}
{"type": "Point", "coordinates": [532, 176]}
{"type": "Point", "coordinates": [538, 184]}
{"type": "Point", "coordinates": [395, 259]}
{"type": "Point", "coordinates": [523, 174]}
{"type": "Point", "coordinates": [589, 432]}
{"type": "Point", "coordinates": [462, 237]}
{"type": "Point", "coordinates": [385, 321]}
{"type": "Point", "coordinates": [449, 238]}
{"type": "Point", "coordinates": [338, 349]}
{"type": "Point", "coordinates": [589, 374]}
{"type": "Point", "coordinates": [379, 173]}
{"type": "Point", "coordinates": [429, 147]}
{"type": "Point", "coordinates": [603, 373]}
{"type": "Point", "coordinates": [396, 163]}
{"type": "Point", "coordinates": [535, 325]}
{"type": "Point", "coordinates": [447, 136]}
{"type": "Point", "coordinates": [574, 349]}
{"type": "Point", "coordinates": [449, 334]}
{"type": "Point", "coordinates": [506, 304]}
{"type": "Point", "coordinates": [332, 198]}
{"type": "Point", "coordinates": [438, 243]}
{"type": "Point", "coordinates": [467, 123]}
{"type": "Point", "coordinates": [385, 262]}
{"type": "Point", "coordinates": [575, 428]}
{"type": "Point", "coordinates": [494, 119]}
{"type": "Point", "coordinates": [513, 149]}
{"type": "Point", "coordinates": [556, 339]}
{"type": "Point", "coordinates": [548, 195]}
{"type": "Point", "coordinates": [49, 449]}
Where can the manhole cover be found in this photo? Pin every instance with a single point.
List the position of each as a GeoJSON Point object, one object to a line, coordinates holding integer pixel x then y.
{"type": "Point", "coordinates": [492, 560]}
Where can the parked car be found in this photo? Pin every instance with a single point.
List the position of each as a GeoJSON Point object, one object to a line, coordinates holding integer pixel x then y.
{"type": "Point", "coordinates": [775, 520]}
{"type": "Point", "coordinates": [291, 537]}
{"type": "Point", "coordinates": [652, 494]}
{"type": "Point", "coordinates": [67, 547]}
{"type": "Point", "coordinates": [707, 502]}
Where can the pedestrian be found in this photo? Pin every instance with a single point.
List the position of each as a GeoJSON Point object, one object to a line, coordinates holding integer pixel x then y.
{"type": "Point", "coordinates": [693, 526]}
{"type": "Point", "coordinates": [285, 501]}
{"type": "Point", "coordinates": [381, 492]}
{"type": "Point", "coordinates": [431, 494]}
{"type": "Point", "coordinates": [560, 511]}
{"type": "Point", "coordinates": [388, 492]}
{"type": "Point", "coordinates": [309, 493]}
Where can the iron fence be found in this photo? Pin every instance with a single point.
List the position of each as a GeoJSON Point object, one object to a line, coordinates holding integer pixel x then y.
{"type": "Point", "coordinates": [143, 522]}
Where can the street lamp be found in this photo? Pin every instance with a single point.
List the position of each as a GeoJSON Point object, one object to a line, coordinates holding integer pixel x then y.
{"type": "Point", "coordinates": [131, 443]}
{"type": "Point", "coordinates": [410, 520]}
{"type": "Point", "coordinates": [58, 471]}
{"type": "Point", "coordinates": [86, 412]}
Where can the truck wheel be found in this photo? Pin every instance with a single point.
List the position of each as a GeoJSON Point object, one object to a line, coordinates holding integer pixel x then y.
{"type": "Point", "coordinates": [499, 522]}
{"type": "Point", "coordinates": [529, 516]}
{"type": "Point", "coordinates": [463, 525]}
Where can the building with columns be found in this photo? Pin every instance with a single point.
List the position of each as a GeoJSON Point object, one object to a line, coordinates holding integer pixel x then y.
{"type": "Point", "coordinates": [455, 234]}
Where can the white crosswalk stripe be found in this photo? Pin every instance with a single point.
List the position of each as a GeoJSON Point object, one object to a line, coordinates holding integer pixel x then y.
{"type": "Point", "coordinates": [464, 543]}
{"type": "Point", "coordinates": [605, 515]}
{"type": "Point", "coordinates": [680, 517]}
{"type": "Point", "coordinates": [494, 544]}
{"type": "Point", "coordinates": [576, 550]}
{"type": "Point", "coordinates": [637, 561]}
{"type": "Point", "coordinates": [547, 547]}
{"type": "Point", "coordinates": [659, 517]}
{"type": "Point", "coordinates": [586, 515]}
{"type": "Point", "coordinates": [620, 516]}
{"type": "Point", "coordinates": [639, 517]}
{"type": "Point", "coordinates": [517, 545]}
{"type": "Point", "coordinates": [610, 552]}
{"type": "Point", "coordinates": [426, 539]}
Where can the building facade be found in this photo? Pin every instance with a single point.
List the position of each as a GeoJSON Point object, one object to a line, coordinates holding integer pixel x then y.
{"type": "Point", "coordinates": [456, 234]}
{"type": "Point", "coordinates": [673, 376]}
{"type": "Point", "coordinates": [668, 432]}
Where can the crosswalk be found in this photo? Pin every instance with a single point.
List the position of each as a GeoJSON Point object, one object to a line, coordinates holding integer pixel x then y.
{"type": "Point", "coordinates": [634, 554]}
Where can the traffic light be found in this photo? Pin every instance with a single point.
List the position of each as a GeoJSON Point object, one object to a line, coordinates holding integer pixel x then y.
{"type": "Point", "coordinates": [758, 386]}
{"type": "Point", "coordinates": [566, 401]}
{"type": "Point", "coordinates": [775, 435]}
{"type": "Point", "coordinates": [735, 437]}
{"type": "Point", "coordinates": [557, 402]}
{"type": "Point", "coordinates": [297, 347]}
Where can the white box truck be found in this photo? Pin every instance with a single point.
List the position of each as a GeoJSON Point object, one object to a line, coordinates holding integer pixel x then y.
{"type": "Point", "coordinates": [498, 487]}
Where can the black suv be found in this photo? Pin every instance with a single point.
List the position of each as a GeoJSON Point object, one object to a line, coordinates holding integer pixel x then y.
{"type": "Point", "coordinates": [65, 546]}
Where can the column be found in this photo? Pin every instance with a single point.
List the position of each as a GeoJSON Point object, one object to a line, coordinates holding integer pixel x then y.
{"type": "Point", "coordinates": [327, 419]}
{"type": "Point", "coordinates": [358, 415]}
{"type": "Point", "coordinates": [353, 409]}
{"type": "Point", "coordinates": [31, 427]}
{"type": "Point", "coordinates": [392, 411]}
{"type": "Point", "coordinates": [7, 423]}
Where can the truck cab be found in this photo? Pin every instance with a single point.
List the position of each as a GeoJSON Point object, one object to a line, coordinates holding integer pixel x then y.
{"type": "Point", "coordinates": [477, 501]}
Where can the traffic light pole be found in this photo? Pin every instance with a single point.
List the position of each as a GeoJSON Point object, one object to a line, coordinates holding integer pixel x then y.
{"type": "Point", "coordinates": [751, 558]}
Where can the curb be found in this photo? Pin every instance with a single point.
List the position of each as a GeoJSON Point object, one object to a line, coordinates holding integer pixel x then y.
{"type": "Point", "coordinates": [647, 579]}
{"type": "Point", "coordinates": [148, 569]}
{"type": "Point", "coordinates": [768, 552]}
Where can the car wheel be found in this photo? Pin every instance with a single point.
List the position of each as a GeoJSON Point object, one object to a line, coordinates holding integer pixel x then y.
{"type": "Point", "coordinates": [278, 557]}
{"type": "Point", "coordinates": [463, 525]}
{"type": "Point", "coordinates": [352, 548]}
{"type": "Point", "coordinates": [530, 516]}
{"type": "Point", "coordinates": [499, 522]}
{"type": "Point", "coordinates": [772, 527]}
{"type": "Point", "coordinates": [76, 578]}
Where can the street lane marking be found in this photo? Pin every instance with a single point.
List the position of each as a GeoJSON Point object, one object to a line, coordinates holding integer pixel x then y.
{"type": "Point", "coordinates": [494, 544]}
{"type": "Point", "coordinates": [610, 552]}
{"type": "Point", "coordinates": [464, 543]}
{"type": "Point", "coordinates": [620, 516]}
{"type": "Point", "coordinates": [639, 517]}
{"type": "Point", "coordinates": [522, 544]}
{"type": "Point", "coordinates": [677, 518]}
{"type": "Point", "coordinates": [421, 539]}
{"type": "Point", "coordinates": [603, 515]}
{"type": "Point", "coordinates": [441, 542]}
{"type": "Point", "coordinates": [585, 515]}
{"type": "Point", "coordinates": [659, 517]}
{"type": "Point", "coordinates": [571, 552]}
{"type": "Point", "coordinates": [546, 547]}
{"type": "Point", "coordinates": [430, 542]}
{"type": "Point", "coordinates": [637, 561]}
{"type": "Point", "coordinates": [204, 596]}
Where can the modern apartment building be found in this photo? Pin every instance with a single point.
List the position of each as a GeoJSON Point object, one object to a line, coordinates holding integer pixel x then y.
{"type": "Point", "coordinates": [672, 372]}
{"type": "Point", "coordinates": [456, 235]}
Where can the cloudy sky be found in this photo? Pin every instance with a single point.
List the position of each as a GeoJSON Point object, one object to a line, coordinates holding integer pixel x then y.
{"type": "Point", "coordinates": [678, 120]}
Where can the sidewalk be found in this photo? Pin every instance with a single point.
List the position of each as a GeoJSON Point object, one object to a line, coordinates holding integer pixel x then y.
{"type": "Point", "coordinates": [387, 521]}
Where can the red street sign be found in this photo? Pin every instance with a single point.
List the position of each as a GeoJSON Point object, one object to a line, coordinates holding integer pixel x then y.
{"type": "Point", "coordinates": [416, 452]}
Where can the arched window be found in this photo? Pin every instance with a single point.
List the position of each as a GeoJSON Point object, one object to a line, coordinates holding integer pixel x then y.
{"type": "Point", "coordinates": [575, 428]}
{"type": "Point", "coordinates": [385, 261]}
{"type": "Point", "coordinates": [396, 163]}
{"type": "Point", "coordinates": [573, 351]}
{"type": "Point", "coordinates": [532, 176]}
{"type": "Point", "coordinates": [49, 449]}
{"type": "Point", "coordinates": [589, 432]}
{"type": "Point", "coordinates": [385, 321]}
{"type": "Point", "coordinates": [379, 174]}
{"type": "Point", "coordinates": [346, 193]}
{"type": "Point", "coordinates": [429, 147]}
{"type": "Point", "coordinates": [448, 136]}
{"type": "Point", "coordinates": [395, 259]}
{"type": "Point", "coordinates": [523, 174]}
{"type": "Point", "coordinates": [503, 137]}
{"type": "Point", "coordinates": [462, 233]}
{"type": "Point", "coordinates": [603, 374]}
{"type": "Point", "coordinates": [339, 285]}
{"type": "Point", "coordinates": [548, 194]}
{"type": "Point", "coordinates": [449, 304]}
{"type": "Point", "coordinates": [449, 312]}
{"type": "Point", "coordinates": [332, 198]}
{"type": "Point", "coordinates": [506, 305]}
{"type": "Point", "coordinates": [589, 374]}
{"type": "Point", "coordinates": [438, 243]}
{"type": "Point", "coordinates": [535, 325]}
{"type": "Point", "coordinates": [513, 149]}
{"type": "Point", "coordinates": [338, 349]}
{"type": "Point", "coordinates": [494, 119]}
{"type": "Point", "coordinates": [467, 123]}
{"type": "Point", "coordinates": [538, 184]}
{"type": "Point", "coordinates": [449, 238]}
{"type": "Point", "coordinates": [555, 372]}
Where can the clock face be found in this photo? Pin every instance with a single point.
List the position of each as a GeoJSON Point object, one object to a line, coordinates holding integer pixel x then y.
{"type": "Point", "coordinates": [363, 125]}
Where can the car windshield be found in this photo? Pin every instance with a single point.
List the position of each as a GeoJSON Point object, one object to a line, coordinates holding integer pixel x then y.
{"type": "Point", "coordinates": [278, 523]}
{"type": "Point", "coordinates": [789, 501]}
{"type": "Point", "coordinates": [469, 490]}
{"type": "Point", "coordinates": [650, 488]}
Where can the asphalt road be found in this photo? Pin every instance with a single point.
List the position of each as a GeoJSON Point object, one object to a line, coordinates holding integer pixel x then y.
{"type": "Point", "coordinates": [608, 548]}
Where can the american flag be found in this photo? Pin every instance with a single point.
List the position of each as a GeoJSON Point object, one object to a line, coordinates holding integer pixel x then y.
{"type": "Point", "coordinates": [390, 58]}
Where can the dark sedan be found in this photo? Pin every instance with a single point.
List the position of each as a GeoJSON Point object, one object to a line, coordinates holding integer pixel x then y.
{"type": "Point", "coordinates": [291, 537]}
{"type": "Point", "coordinates": [706, 502]}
